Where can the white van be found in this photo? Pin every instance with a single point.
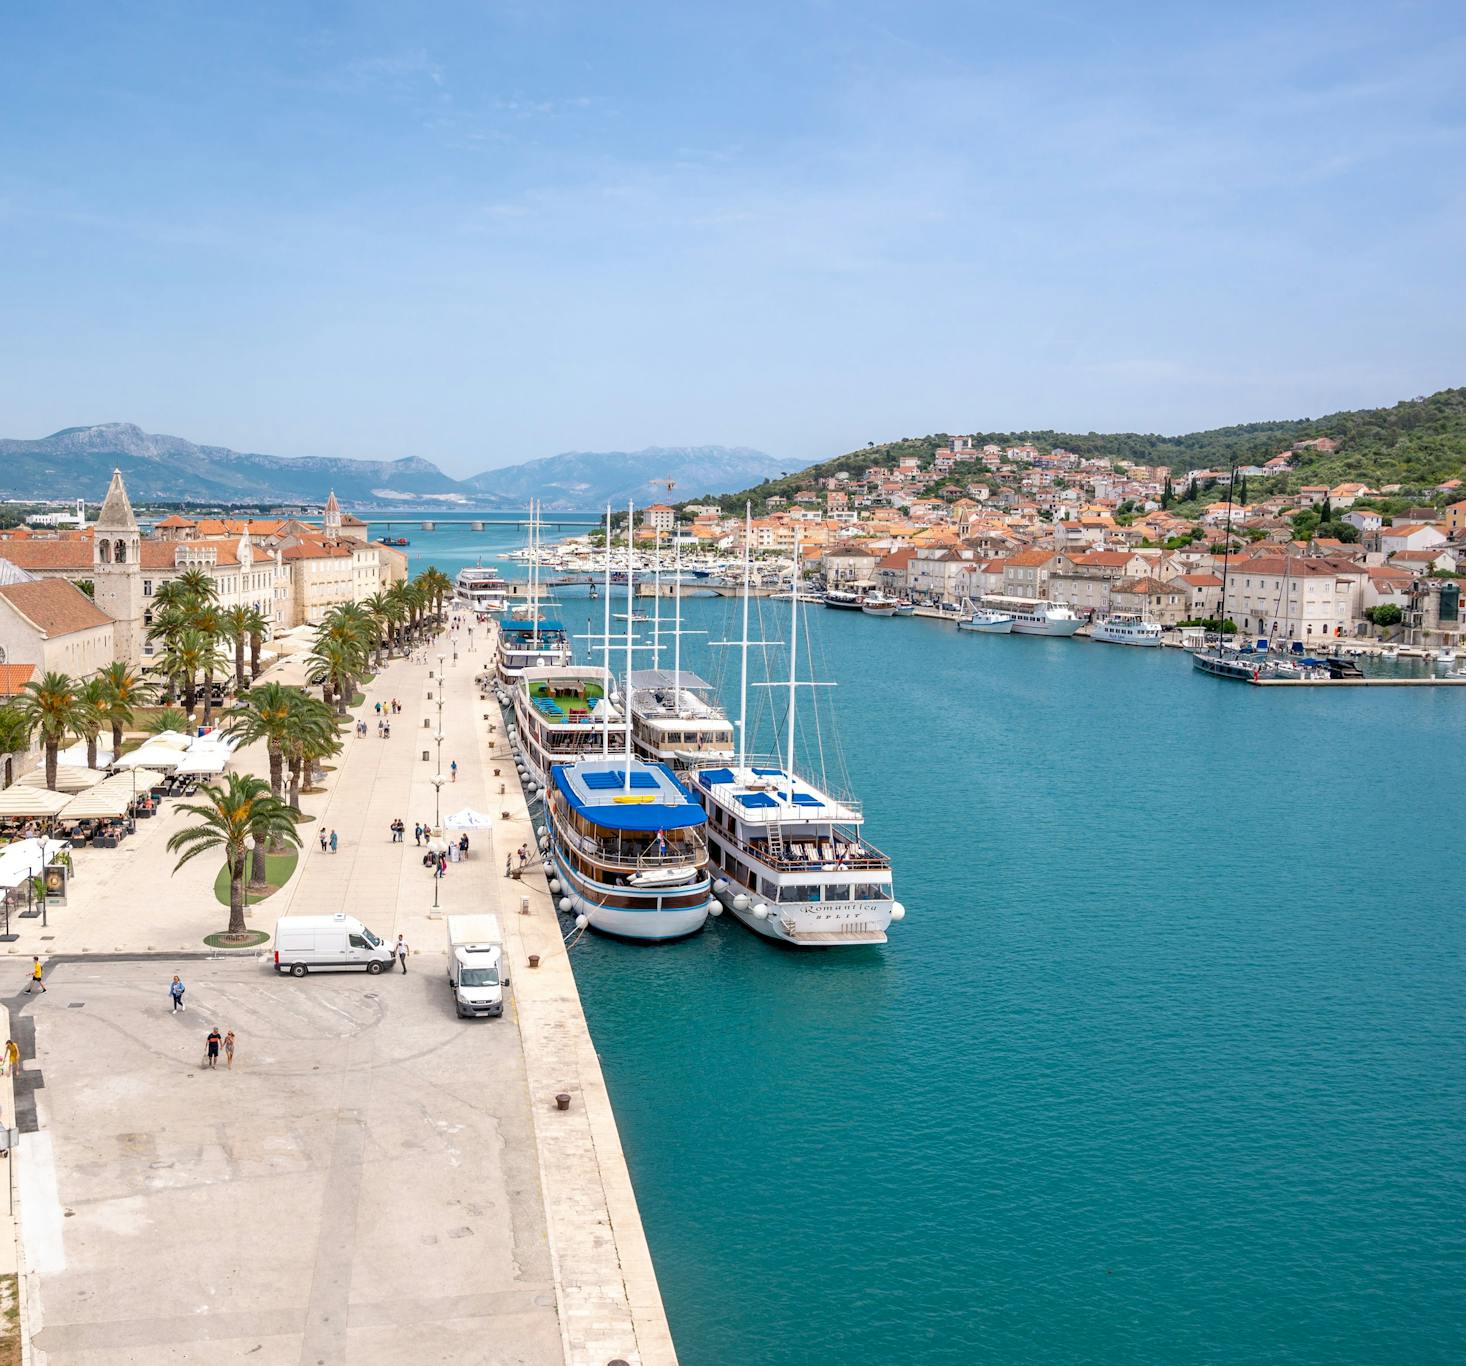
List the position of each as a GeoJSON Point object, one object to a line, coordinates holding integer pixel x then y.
{"type": "Point", "coordinates": [327, 943]}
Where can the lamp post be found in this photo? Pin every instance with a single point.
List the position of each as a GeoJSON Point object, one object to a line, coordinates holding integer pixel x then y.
{"type": "Point", "coordinates": [437, 797]}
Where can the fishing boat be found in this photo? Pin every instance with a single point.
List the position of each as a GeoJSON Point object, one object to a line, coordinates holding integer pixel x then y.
{"type": "Point", "coordinates": [988, 622]}
{"type": "Point", "coordinates": [1035, 617]}
{"type": "Point", "coordinates": [628, 850]}
{"type": "Point", "coordinates": [878, 605]}
{"type": "Point", "coordinates": [563, 715]}
{"type": "Point", "coordinates": [788, 858]}
{"type": "Point", "coordinates": [842, 599]}
{"type": "Point", "coordinates": [1126, 628]}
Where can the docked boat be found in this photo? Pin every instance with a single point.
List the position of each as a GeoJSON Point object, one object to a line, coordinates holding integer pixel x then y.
{"type": "Point", "coordinates": [842, 599]}
{"type": "Point", "coordinates": [1035, 617]}
{"type": "Point", "coordinates": [628, 850]}
{"type": "Point", "coordinates": [393, 540]}
{"type": "Point", "coordinates": [1240, 668]}
{"type": "Point", "coordinates": [481, 589]}
{"type": "Point", "coordinates": [528, 643]}
{"type": "Point", "coordinates": [905, 609]}
{"type": "Point", "coordinates": [564, 715]}
{"type": "Point", "coordinates": [1445, 655]}
{"type": "Point", "coordinates": [878, 605]}
{"type": "Point", "coordinates": [676, 721]}
{"type": "Point", "coordinates": [1127, 628]}
{"type": "Point", "coordinates": [988, 622]}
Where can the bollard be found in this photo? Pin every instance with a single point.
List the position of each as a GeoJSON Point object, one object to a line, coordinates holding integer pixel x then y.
{"type": "Point", "coordinates": [524, 905]}
{"type": "Point", "coordinates": [501, 789]}
{"type": "Point", "coordinates": [534, 960]}
{"type": "Point", "coordinates": [426, 754]}
{"type": "Point", "coordinates": [496, 774]}
{"type": "Point", "coordinates": [562, 1101]}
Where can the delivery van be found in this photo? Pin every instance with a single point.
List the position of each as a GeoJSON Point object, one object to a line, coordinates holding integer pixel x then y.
{"type": "Point", "coordinates": [327, 943]}
{"type": "Point", "coordinates": [476, 965]}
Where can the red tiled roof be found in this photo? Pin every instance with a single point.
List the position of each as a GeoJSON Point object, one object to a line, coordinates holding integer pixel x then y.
{"type": "Point", "coordinates": [55, 607]}
{"type": "Point", "coordinates": [13, 677]}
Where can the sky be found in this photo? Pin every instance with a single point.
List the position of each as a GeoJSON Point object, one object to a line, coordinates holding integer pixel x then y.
{"type": "Point", "coordinates": [482, 232]}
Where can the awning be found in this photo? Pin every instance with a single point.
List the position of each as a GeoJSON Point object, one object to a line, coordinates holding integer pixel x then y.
{"type": "Point", "coordinates": [69, 778]}
{"type": "Point", "coordinates": [101, 803]}
{"type": "Point", "coordinates": [31, 801]}
{"type": "Point", "coordinates": [26, 858]}
{"type": "Point", "coordinates": [173, 739]}
{"type": "Point", "coordinates": [77, 755]}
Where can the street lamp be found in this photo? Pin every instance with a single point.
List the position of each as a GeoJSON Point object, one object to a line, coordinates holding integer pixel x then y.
{"type": "Point", "coordinates": [437, 834]}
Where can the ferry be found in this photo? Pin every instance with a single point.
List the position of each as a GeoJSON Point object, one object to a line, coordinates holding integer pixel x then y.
{"type": "Point", "coordinates": [675, 721]}
{"type": "Point", "coordinates": [988, 622]}
{"type": "Point", "coordinates": [628, 850]}
{"type": "Point", "coordinates": [879, 605]}
{"type": "Point", "coordinates": [1126, 628]}
{"type": "Point", "coordinates": [528, 643]}
{"type": "Point", "coordinates": [393, 540]}
{"type": "Point", "coordinates": [564, 715]}
{"type": "Point", "coordinates": [789, 860]}
{"type": "Point", "coordinates": [481, 590]}
{"type": "Point", "coordinates": [1034, 617]}
{"type": "Point", "coordinates": [842, 599]}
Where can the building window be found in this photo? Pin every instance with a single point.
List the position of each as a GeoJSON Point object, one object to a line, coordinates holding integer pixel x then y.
{"type": "Point", "coordinates": [147, 588]}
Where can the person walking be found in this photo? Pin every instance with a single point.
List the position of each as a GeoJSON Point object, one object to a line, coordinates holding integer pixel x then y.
{"type": "Point", "coordinates": [323, 839]}
{"type": "Point", "coordinates": [333, 841]}
{"type": "Point", "coordinates": [12, 1057]}
{"type": "Point", "coordinates": [211, 1047]}
{"type": "Point", "coordinates": [399, 952]}
{"type": "Point", "coordinates": [175, 991]}
{"type": "Point", "coordinates": [453, 769]}
{"type": "Point", "coordinates": [417, 833]}
{"type": "Point", "coordinates": [37, 973]}
{"type": "Point", "coordinates": [229, 1050]}
{"type": "Point", "coordinates": [463, 845]}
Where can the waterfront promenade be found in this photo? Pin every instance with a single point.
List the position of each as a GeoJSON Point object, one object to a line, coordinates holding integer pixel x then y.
{"type": "Point", "coordinates": [536, 1186]}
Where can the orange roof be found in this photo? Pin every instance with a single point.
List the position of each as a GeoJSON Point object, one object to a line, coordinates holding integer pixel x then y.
{"type": "Point", "coordinates": [54, 606]}
{"type": "Point", "coordinates": [175, 520]}
{"type": "Point", "coordinates": [13, 677]}
{"type": "Point", "coordinates": [1029, 559]}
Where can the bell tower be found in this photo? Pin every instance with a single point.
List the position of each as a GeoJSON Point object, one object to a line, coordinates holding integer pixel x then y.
{"type": "Point", "coordinates": [333, 517]}
{"type": "Point", "coordinates": [117, 570]}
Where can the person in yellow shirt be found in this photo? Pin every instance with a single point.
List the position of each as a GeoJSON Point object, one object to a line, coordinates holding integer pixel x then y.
{"type": "Point", "coordinates": [12, 1057]}
{"type": "Point", "coordinates": [36, 971]}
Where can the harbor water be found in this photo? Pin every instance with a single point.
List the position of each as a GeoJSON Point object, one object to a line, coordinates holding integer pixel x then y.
{"type": "Point", "coordinates": [1166, 1063]}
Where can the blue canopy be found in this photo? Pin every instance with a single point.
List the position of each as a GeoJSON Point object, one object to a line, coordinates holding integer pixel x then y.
{"type": "Point", "coordinates": [713, 776]}
{"type": "Point", "coordinates": [615, 778]}
{"type": "Point", "coordinates": [671, 808]}
{"type": "Point", "coordinates": [756, 799]}
{"type": "Point", "coordinates": [806, 799]}
{"type": "Point", "coordinates": [518, 626]}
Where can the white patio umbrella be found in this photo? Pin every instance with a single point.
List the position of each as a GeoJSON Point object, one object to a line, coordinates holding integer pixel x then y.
{"type": "Point", "coordinates": [101, 803]}
{"type": "Point", "coordinates": [209, 759]}
{"type": "Point", "coordinates": [31, 801]}
{"type": "Point", "coordinates": [77, 755]}
{"type": "Point", "coordinates": [151, 756]}
{"type": "Point", "coordinates": [140, 778]}
{"type": "Point", "coordinates": [468, 819]}
{"type": "Point", "coordinates": [174, 739]}
{"type": "Point", "coordinates": [69, 778]}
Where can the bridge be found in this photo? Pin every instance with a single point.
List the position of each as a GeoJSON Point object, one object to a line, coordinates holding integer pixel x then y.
{"type": "Point", "coordinates": [581, 523]}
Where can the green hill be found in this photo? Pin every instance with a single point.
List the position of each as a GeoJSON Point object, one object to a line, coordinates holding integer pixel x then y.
{"type": "Point", "coordinates": [1418, 443]}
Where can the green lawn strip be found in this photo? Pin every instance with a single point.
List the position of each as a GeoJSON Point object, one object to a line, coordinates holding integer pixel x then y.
{"type": "Point", "coordinates": [278, 868]}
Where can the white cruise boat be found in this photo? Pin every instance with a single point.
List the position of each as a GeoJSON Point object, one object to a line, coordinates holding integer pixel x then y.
{"type": "Point", "coordinates": [481, 589]}
{"type": "Point", "coordinates": [988, 622]}
{"type": "Point", "coordinates": [528, 643]}
{"type": "Point", "coordinates": [563, 715]}
{"type": "Point", "coordinates": [1126, 628]}
{"type": "Point", "coordinates": [841, 598]}
{"type": "Point", "coordinates": [1035, 617]}
{"type": "Point", "coordinates": [675, 721]}
{"type": "Point", "coordinates": [627, 848]}
{"type": "Point", "coordinates": [879, 605]}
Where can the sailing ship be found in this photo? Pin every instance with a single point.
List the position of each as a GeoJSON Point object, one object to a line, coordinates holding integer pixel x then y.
{"type": "Point", "coordinates": [563, 715]}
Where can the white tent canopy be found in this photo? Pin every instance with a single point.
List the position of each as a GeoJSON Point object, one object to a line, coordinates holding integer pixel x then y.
{"type": "Point", "coordinates": [151, 756]}
{"type": "Point", "coordinates": [173, 739]}
{"type": "Point", "coordinates": [69, 778]}
{"type": "Point", "coordinates": [31, 801]}
{"type": "Point", "coordinates": [101, 803]}
{"type": "Point", "coordinates": [209, 759]}
{"type": "Point", "coordinates": [139, 779]}
{"type": "Point", "coordinates": [468, 819]}
{"type": "Point", "coordinates": [26, 858]}
{"type": "Point", "coordinates": [77, 754]}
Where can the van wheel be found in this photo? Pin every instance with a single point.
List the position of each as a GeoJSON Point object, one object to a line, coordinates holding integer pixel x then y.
{"type": "Point", "coordinates": [374, 968]}
{"type": "Point", "coordinates": [298, 970]}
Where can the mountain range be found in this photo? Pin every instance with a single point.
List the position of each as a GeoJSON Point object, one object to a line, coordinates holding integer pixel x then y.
{"type": "Point", "coordinates": [78, 461]}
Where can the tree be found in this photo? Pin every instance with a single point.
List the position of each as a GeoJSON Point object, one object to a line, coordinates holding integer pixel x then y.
{"type": "Point", "coordinates": [266, 714]}
{"type": "Point", "coordinates": [15, 737]}
{"type": "Point", "coordinates": [233, 815]}
{"type": "Point", "coordinates": [52, 708]}
{"type": "Point", "coordinates": [1168, 494]}
{"type": "Point", "coordinates": [182, 659]}
{"type": "Point", "coordinates": [208, 622]}
{"type": "Point", "coordinates": [1326, 510]}
{"type": "Point", "coordinates": [1338, 531]}
{"type": "Point", "coordinates": [313, 736]}
{"type": "Point", "coordinates": [93, 697]}
{"type": "Point", "coordinates": [234, 625]}
{"type": "Point", "coordinates": [169, 719]}
{"type": "Point", "coordinates": [123, 692]}
{"type": "Point", "coordinates": [1384, 614]}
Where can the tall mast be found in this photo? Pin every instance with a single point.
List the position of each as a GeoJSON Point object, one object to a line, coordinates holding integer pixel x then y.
{"type": "Point", "coordinates": [676, 619]}
{"type": "Point", "coordinates": [534, 577]}
{"type": "Point", "coordinates": [1227, 559]}
{"type": "Point", "coordinates": [743, 664]}
{"type": "Point", "coordinates": [657, 601]}
{"type": "Point", "coordinates": [630, 539]}
{"type": "Point", "coordinates": [606, 645]}
{"type": "Point", "coordinates": [793, 666]}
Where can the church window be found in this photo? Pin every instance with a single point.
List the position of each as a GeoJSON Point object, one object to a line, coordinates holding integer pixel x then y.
{"type": "Point", "coordinates": [120, 552]}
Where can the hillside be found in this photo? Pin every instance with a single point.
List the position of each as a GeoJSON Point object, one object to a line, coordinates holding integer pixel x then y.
{"type": "Point", "coordinates": [1417, 443]}
{"type": "Point", "coordinates": [586, 480]}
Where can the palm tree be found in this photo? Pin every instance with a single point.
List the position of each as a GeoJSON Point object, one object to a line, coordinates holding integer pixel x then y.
{"type": "Point", "coordinates": [210, 626]}
{"type": "Point", "coordinates": [183, 657]}
{"type": "Point", "coordinates": [234, 626]}
{"type": "Point", "coordinates": [197, 585]}
{"type": "Point", "coordinates": [266, 714]}
{"type": "Point", "coordinates": [257, 628]}
{"type": "Point", "coordinates": [124, 691]}
{"type": "Point", "coordinates": [437, 585]}
{"type": "Point", "coordinates": [330, 664]}
{"type": "Point", "coordinates": [313, 736]}
{"type": "Point", "coordinates": [52, 707]}
{"type": "Point", "coordinates": [170, 718]}
{"type": "Point", "coordinates": [234, 814]}
{"type": "Point", "coordinates": [93, 695]}
{"type": "Point", "coordinates": [400, 597]}
{"type": "Point", "coordinates": [382, 610]}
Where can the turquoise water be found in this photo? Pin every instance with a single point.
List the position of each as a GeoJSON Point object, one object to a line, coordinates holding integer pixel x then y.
{"type": "Point", "coordinates": [1167, 1063]}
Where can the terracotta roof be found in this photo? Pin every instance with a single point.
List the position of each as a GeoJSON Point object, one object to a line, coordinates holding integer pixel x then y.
{"type": "Point", "coordinates": [35, 553]}
{"type": "Point", "coordinates": [175, 521]}
{"type": "Point", "coordinates": [1029, 559]}
{"type": "Point", "coordinates": [1105, 559]}
{"type": "Point", "coordinates": [13, 677]}
{"type": "Point", "coordinates": [1201, 580]}
{"type": "Point", "coordinates": [54, 607]}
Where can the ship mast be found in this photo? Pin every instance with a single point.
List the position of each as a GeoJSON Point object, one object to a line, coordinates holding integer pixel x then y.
{"type": "Point", "coordinates": [743, 664]}
{"type": "Point", "coordinates": [606, 647]}
{"type": "Point", "coordinates": [630, 614]}
{"type": "Point", "coordinates": [793, 666]}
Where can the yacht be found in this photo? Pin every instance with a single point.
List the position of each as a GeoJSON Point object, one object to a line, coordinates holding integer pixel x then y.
{"type": "Point", "coordinates": [481, 589]}
{"type": "Point", "coordinates": [627, 848]}
{"type": "Point", "coordinates": [879, 605]}
{"type": "Point", "coordinates": [675, 721]}
{"type": "Point", "coordinates": [528, 643]}
{"type": "Point", "coordinates": [988, 621]}
{"type": "Point", "coordinates": [905, 608]}
{"type": "Point", "coordinates": [841, 598]}
{"type": "Point", "coordinates": [564, 715]}
{"type": "Point", "coordinates": [1126, 628]}
{"type": "Point", "coordinates": [1035, 617]}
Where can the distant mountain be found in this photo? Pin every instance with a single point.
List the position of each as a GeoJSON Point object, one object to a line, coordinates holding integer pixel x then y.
{"type": "Point", "coordinates": [586, 480]}
{"type": "Point", "coordinates": [78, 462]}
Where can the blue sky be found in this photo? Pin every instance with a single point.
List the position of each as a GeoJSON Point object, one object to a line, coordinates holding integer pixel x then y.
{"type": "Point", "coordinates": [486, 232]}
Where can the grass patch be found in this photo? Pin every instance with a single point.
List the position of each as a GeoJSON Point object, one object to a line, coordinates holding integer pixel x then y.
{"type": "Point", "coordinates": [358, 699]}
{"type": "Point", "coordinates": [249, 940]}
{"type": "Point", "coordinates": [278, 868]}
{"type": "Point", "coordinates": [9, 1321]}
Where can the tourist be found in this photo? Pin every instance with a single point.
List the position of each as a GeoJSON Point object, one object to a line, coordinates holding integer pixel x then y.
{"type": "Point", "coordinates": [229, 1050]}
{"type": "Point", "coordinates": [175, 992]}
{"type": "Point", "coordinates": [36, 974]}
{"type": "Point", "coordinates": [453, 769]}
{"type": "Point", "coordinates": [442, 865]}
{"type": "Point", "coordinates": [323, 839]}
{"type": "Point", "coordinates": [417, 833]}
{"type": "Point", "coordinates": [333, 841]}
{"type": "Point", "coordinates": [12, 1058]}
{"type": "Point", "coordinates": [386, 730]}
{"type": "Point", "coordinates": [523, 854]}
{"type": "Point", "coordinates": [379, 708]}
{"type": "Point", "coordinates": [399, 952]}
{"type": "Point", "coordinates": [211, 1046]}
{"type": "Point", "coordinates": [463, 845]}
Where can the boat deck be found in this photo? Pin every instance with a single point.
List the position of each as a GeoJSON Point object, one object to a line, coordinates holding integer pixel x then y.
{"type": "Point", "coordinates": [565, 701]}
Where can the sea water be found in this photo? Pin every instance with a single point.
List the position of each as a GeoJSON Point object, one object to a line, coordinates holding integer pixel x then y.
{"type": "Point", "coordinates": [1166, 1063]}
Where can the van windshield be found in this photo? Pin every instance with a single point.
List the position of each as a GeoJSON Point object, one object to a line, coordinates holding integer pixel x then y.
{"type": "Point", "coordinates": [479, 977]}
{"type": "Point", "coordinates": [370, 938]}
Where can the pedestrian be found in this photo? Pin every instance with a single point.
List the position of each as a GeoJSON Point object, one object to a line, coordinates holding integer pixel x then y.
{"type": "Point", "coordinates": [211, 1047]}
{"type": "Point", "coordinates": [399, 952]}
{"type": "Point", "coordinates": [386, 730]}
{"type": "Point", "coordinates": [453, 768]}
{"type": "Point", "coordinates": [175, 990]}
{"type": "Point", "coordinates": [417, 833]}
{"type": "Point", "coordinates": [323, 839]}
{"type": "Point", "coordinates": [36, 974]}
{"type": "Point", "coordinates": [523, 855]}
{"type": "Point", "coordinates": [333, 841]}
{"type": "Point", "coordinates": [12, 1057]}
{"type": "Point", "coordinates": [463, 845]}
{"type": "Point", "coordinates": [442, 865]}
{"type": "Point", "coordinates": [229, 1050]}
{"type": "Point", "coordinates": [379, 708]}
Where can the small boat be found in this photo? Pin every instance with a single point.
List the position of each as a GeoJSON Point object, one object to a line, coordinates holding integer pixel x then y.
{"type": "Point", "coordinates": [842, 599]}
{"type": "Point", "coordinates": [393, 540]}
{"type": "Point", "coordinates": [988, 622]}
{"type": "Point", "coordinates": [878, 605]}
{"type": "Point", "coordinates": [1445, 655]}
{"type": "Point", "coordinates": [905, 609]}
